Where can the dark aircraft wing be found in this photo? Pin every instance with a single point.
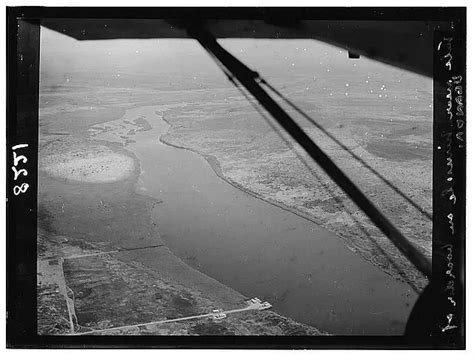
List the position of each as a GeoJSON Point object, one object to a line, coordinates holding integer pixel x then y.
{"type": "Point", "coordinates": [406, 44]}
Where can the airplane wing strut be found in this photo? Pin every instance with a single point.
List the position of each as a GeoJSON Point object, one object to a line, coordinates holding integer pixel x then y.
{"type": "Point", "coordinates": [250, 80]}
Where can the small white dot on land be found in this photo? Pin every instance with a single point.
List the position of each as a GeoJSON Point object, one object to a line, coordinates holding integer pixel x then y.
{"type": "Point", "coordinates": [304, 49]}
{"type": "Point", "coordinates": [347, 84]}
{"type": "Point", "coordinates": [328, 70]}
{"type": "Point", "coordinates": [371, 90]}
{"type": "Point", "coordinates": [367, 81]}
{"type": "Point", "coordinates": [346, 94]}
{"type": "Point", "coordinates": [118, 75]}
{"type": "Point", "coordinates": [380, 95]}
{"type": "Point", "coordinates": [292, 64]}
{"type": "Point", "coordinates": [330, 94]}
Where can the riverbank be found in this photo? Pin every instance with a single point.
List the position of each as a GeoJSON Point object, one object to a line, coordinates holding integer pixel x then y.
{"type": "Point", "coordinates": [256, 161]}
{"type": "Point", "coordinates": [86, 214]}
{"type": "Point", "coordinates": [226, 233]}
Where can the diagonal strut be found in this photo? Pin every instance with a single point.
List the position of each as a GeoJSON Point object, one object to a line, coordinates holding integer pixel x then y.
{"type": "Point", "coordinates": [249, 78]}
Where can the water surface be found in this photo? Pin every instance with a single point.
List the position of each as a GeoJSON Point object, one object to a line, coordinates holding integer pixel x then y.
{"type": "Point", "coordinates": [259, 249]}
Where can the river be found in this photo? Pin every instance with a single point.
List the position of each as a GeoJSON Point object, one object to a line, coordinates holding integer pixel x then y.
{"type": "Point", "coordinates": [256, 248]}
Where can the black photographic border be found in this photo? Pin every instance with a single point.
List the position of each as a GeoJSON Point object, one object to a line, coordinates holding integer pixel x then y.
{"type": "Point", "coordinates": [449, 181]}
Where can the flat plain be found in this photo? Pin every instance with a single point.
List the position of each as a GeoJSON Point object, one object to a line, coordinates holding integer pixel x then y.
{"type": "Point", "coordinates": [380, 116]}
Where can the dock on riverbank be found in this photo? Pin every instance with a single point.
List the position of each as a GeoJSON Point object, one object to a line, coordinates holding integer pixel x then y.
{"type": "Point", "coordinates": [83, 291]}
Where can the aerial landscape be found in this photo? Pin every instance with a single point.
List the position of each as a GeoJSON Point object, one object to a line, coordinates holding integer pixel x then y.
{"type": "Point", "coordinates": [170, 203]}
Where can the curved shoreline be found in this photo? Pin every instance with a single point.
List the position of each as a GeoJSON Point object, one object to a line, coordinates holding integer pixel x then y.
{"type": "Point", "coordinates": [163, 264]}
{"type": "Point", "coordinates": [159, 131]}
{"type": "Point", "coordinates": [176, 269]}
{"type": "Point", "coordinates": [217, 169]}
{"type": "Point", "coordinates": [368, 247]}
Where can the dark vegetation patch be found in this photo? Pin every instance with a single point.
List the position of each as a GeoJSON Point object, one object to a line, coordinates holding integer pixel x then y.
{"type": "Point", "coordinates": [143, 124]}
{"type": "Point", "coordinates": [330, 205]}
{"type": "Point", "coordinates": [211, 328]}
{"type": "Point", "coordinates": [396, 150]}
{"type": "Point", "coordinates": [184, 304]}
{"type": "Point", "coordinates": [52, 314]}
